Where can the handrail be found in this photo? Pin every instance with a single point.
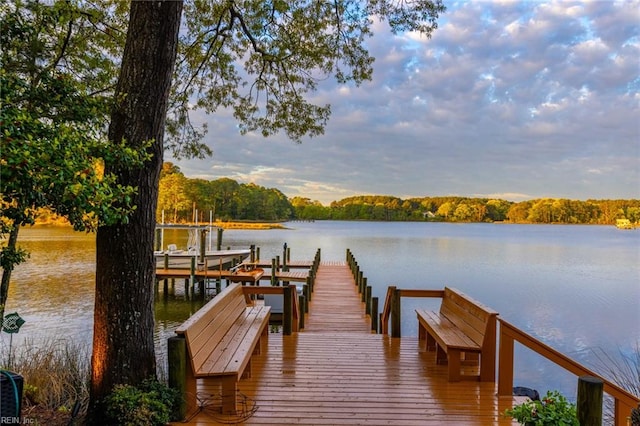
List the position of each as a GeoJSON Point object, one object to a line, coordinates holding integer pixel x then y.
{"type": "Point", "coordinates": [292, 314]}
{"type": "Point", "coordinates": [388, 310]}
{"type": "Point", "coordinates": [624, 401]}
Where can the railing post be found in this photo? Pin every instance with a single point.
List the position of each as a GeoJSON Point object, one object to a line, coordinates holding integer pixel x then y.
{"type": "Point", "coordinates": [219, 239]}
{"type": "Point", "coordinates": [374, 314]}
{"type": "Point", "coordinates": [589, 404]}
{"type": "Point", "coordinates": [395, 314]}
{"type": "Point", "coordinates": [287, 310]}
{"type": "Point", "coordinates": [274, 270]}
{"type": "Point", "coordinates": [203, 245]}
{"type": "Point", "coordinates": [308, 287]}
{"type": "Point", "coordinates": [177, 374]}
{"type": "Point", "coordinates": [193, 270]}
{"type": "Point", "coordinates": [302, 303]}
{"type": "Point", "coordinates": [363, 289]}
{"type": "Point", "coordinates": [505, 363]}
{"type": "Point", "coordinates": [307, 297]}
{"type": "Point", "coordinates": [367, 299]}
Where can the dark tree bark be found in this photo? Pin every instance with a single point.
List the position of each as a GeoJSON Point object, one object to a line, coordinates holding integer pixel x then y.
{"type": "Point", "coordinates": [123, 345]}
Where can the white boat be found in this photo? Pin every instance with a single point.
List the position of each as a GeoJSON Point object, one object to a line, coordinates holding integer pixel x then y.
{"type": "Point", "coordinates": [212, 259]}
{"type": "Point", "coordinates": [199, 241]}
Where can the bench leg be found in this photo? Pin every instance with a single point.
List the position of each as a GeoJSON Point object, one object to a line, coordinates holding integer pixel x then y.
{"type": "Point", "coordinates": [229, 388]}
{"type": "Point", "coordinates": [454, 365]}
{"type": "Point", "coordinates": [441, 355]}
{"type": "Point", "coordinates": [431, 343]}
{"type": "Point", "coordinates": [487, 368]}
{"type": "Point", "coordinates": [246, 374]}
{"type": "Point", "coordinates": [422, 334]}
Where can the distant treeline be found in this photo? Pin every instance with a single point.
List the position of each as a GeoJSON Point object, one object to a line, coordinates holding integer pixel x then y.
{"type": "Point", "coordinates": [463, 209]}
{"type": "Point", "coordinates": [182, 198]}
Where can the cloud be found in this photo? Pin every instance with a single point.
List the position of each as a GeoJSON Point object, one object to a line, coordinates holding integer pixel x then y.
{"type": "Point", "coordinates": [526, 99]}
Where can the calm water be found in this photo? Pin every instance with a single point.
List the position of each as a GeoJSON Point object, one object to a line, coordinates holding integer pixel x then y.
{"type": "Point", "coordinates": [576, 288]}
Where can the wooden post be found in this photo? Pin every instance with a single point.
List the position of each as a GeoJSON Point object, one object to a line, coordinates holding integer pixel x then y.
{"type": "Point", "coordinates": [363, 290]}
{"type": "Point", "coordinates": [257, 253]}
{"type": "Point", "coordinates": [203, 245]}
{"type": "Point", "coordinates": [395, 313]}
{"type": "Point", "coordinates": [285, 267]}
{"type": "Point", "coordinates": [166, 261]}
{"type": "Point", "coordinates": [307, 296]}
{"type": "Point", "coordinates": [374, 314]}
{"type": "Point", "coordinates": [505, 363]}
{"type": "Point", "coordinates": [158, 240]}
{"type": "Point", "coordinates": [308, 288]}
{"type": "Point", "coordinates": [273, 272]}
{"type": "Point", "coordinates": [193, 270]}
{"type": "Point", "coordinates": [302, 303]}
{"type": "Point", "coordinates": [367, 299]}
{"type": "Point", "coordinates": [589, 404]}
{"type": "Point", "coordinates": [219, 241]}
{"type": "Point", "coordinates": [177, 371]}
{"type": "Point", "coordinates": [287, 310]}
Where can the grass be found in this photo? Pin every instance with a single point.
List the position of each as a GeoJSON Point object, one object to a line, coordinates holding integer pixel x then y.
{"type": "Point", "coordinates": [623, 370]}
{"type": "Point", "coordinates": [56, 379]}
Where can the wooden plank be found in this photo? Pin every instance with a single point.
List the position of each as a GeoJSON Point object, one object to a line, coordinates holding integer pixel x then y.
{"type": "Point", "coordinates": [195, 318]}
{"type": "Point", "coordinates": [445, 332]}
{"type": "Point", "coordinates": [336, 372]}
{"type": "Point", "coordinates": [345, 378]}
{"type": "Point", "coordinates": [219, 361]}
{"type": "Point", "coordinates": [202, 344]}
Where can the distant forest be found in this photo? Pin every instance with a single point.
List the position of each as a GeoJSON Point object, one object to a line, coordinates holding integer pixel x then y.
{"type": "Point", "coordinates": [181, 198]}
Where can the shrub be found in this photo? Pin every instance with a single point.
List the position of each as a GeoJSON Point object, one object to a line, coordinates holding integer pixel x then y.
{"type": "Point", "coordinates": [635, 416]}
{"type": "Point", "coordinates": [552, 410]}
{"type": "Point", "coordinates": [151, 403]}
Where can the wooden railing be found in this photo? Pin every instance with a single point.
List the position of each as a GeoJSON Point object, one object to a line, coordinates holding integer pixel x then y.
{"type": "Point", "coordinates": [624, 401]}
{"type": "Point", "coordinates": [291, 307]}
{"type": "Point", "coordinates": [392, 309]}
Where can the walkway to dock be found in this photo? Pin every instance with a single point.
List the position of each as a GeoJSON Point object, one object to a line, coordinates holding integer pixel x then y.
{"type": "Point", "coordinates": [336, 372]}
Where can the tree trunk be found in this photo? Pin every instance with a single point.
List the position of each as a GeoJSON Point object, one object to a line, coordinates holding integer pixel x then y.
{"type": "Point", "coordinates": [123, 343]}
{"type": "Point", "coordinates": [12, 246]}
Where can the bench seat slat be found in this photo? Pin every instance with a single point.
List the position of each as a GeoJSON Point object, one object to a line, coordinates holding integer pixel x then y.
{"type": "Point", "coordinates": [239, 361]}
{"type": "Point", "coordinates": [447, 332]}
{"type": "Point", "coordinates": [204, 343]}
{"type": "Point", "coordinates": [220, 358]}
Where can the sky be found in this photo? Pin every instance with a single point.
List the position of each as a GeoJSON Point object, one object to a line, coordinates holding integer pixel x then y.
{"type": "Point", "coordinates": [508, 99]}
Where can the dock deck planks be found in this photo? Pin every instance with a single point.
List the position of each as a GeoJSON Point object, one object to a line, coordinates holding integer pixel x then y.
{"type": "Point", "coordinates": [335, 372]}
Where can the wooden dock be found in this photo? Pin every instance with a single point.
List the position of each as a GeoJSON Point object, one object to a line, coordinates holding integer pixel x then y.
{"type": "Point", "coordinates": [336, 372]}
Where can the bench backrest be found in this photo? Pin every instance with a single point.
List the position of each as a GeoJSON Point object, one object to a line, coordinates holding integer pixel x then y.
{"type": "Point", "coordinates": [204, 329]}
{"type": "Point", "coordinates": [473, 318]}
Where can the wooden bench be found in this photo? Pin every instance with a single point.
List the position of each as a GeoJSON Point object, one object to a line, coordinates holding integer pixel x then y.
{"type": "Point", "coordinates": [463, 332]}
{"type": "Point", "coordinates": [220, 339]}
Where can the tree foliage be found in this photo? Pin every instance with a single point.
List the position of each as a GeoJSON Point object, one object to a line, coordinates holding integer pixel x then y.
{"type": "Point", "coordinates": [52, 120]}
{"type": "Point", "coordinates": [181, 198]}
{"type": "Point", "coordinates": [261, 60]}
{"type": "Point", "coordinates": [463, 209]}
